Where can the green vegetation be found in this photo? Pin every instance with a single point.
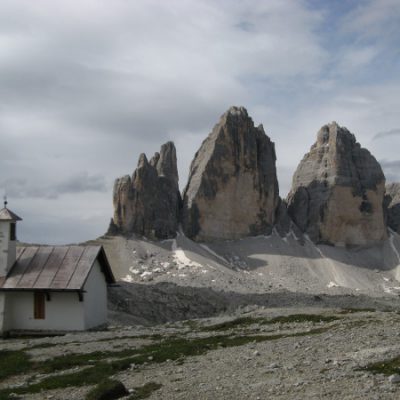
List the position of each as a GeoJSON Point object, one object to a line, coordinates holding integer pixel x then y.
{"type": "Point", "coordinates": [387, 367]}
{"type": "Point", "coordinates": [143, 392]}
{"type": "Point", "coordinates": [298, 318]}
{"type": "Point", "coordinates": [68, 361]}
{"type": "Point", "coordinates": [13, 363]}
{"type": "Point", "coordinates": [107, 390]}
{"type": "Point", "coordinates": [246, 321]}
{"type": "Point", "coordinates": [239, 322]}
{"type": "Point", "coordinates": [99, 367]}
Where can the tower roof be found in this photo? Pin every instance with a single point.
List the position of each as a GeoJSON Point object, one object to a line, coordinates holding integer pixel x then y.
{"type": "Point", "coordinates": [8, 215]}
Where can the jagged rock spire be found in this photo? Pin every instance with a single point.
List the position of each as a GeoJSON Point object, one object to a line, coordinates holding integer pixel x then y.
{"type": "Point", "coordinates": [338, 190]}
{"type": "Point", "coordinates": [148, 204]}
{"type": "Point", "coordinates": [232, 189]}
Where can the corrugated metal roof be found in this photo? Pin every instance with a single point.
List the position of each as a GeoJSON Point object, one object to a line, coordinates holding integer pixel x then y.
{"type": "Point", "coordinates": [55, 268]}
{"type": "Point", "coordinates": [8, 215]}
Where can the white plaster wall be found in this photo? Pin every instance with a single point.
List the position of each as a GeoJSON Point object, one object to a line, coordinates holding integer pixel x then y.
{"type": "Point", "coordinates": [63, 312]}
{"type": "Point", "coordinates": [95, 298]}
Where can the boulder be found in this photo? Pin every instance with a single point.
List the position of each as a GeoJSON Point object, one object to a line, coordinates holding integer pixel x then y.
{"type": "Point", "coordinates": [393, 206]}
{"type": "Point", "coordinates": [338, 191]}
{"type": "Point", "coordinates": [148, 204]}
{"type": "Point", "coordinates": [232, 190]}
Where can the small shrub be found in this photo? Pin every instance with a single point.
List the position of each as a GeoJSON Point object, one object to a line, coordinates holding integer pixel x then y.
{"type": "Point", "coordinates": [143, 392]}
{"type": "Point", "coordinates": [109, 389]}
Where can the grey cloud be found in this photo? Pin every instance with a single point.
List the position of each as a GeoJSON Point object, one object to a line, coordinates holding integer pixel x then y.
{"type": "Point", "coordinates": [391, 132]}
{"type": "Point", "coordinates": [90, 85]}
{"type": "Point", "coordinates": [106, 101]}
{"type": "Point", "coordinates": [391, 168]}
{"type": "Point", "coordinates": [392, 178]}
{"type": "Point", "coordinates": [390, 164]}
{"type": "Point", "coordinates": [83, 182]}
{"type": "Point", "coordinates": [246, 26]}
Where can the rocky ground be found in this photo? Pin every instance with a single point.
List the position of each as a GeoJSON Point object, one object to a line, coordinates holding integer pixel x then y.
{"type": "Point", "coordinates": [254, 353]}
{"type": "Point", "coordinates": [257, 318]}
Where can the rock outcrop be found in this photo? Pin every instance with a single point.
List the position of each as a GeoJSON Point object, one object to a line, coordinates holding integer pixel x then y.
{"type": "Point", "coordinates": [338, 191]}
{"type": "Point", "coordinates": [232, 190]}
{"type": "Point", "coordinates": [148, 204]}
{"type": "Point", "coordinates": [393, 206]}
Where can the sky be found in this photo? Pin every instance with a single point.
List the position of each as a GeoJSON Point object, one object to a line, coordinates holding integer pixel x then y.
{"type": "Point", "coordinates": [88, 85]}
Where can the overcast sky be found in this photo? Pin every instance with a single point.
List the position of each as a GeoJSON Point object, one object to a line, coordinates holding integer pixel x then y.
{"type": "Point", "coordinates": [87, 85]}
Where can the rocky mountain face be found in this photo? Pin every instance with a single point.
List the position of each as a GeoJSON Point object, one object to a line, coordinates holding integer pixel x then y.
{"type": "Point", "coordinates": [232, 189]}
{"type": "Point", "coordinates": [393, 206]}
{"type": "Point", "coordinates": [337, 195]}
{"type": "Point", "coordinates": [338, 191]}
{"type": "Point", "coordinates": [148, 204]}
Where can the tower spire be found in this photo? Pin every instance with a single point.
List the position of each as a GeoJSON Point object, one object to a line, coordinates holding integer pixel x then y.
{"type": "Point", "coordinates": [5, 201]}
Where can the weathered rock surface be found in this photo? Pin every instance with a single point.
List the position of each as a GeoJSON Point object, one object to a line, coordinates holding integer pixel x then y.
{"type": "Point", "coordinates": [232, 189]}
{"type": "Point", "coordinates": [393, 206]}
{"type": "Point", "coordinates": [338, 191]}
{"type": "Point", "coordinates": [148, 204]}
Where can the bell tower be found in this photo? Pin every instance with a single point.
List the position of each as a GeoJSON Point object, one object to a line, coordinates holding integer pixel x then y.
{"type": "Point", "coordinates": [8, 239]}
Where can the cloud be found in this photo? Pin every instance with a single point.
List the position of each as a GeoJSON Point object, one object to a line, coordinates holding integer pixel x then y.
{"type": "Point", "coordinates": [88, 85]}
{"type": "Point", "coordinates": [391, 132]}
{"type": "Point", "coordinates": [25, 189]}
{"type": "Point", "coordinates": [374, 20]}
{"type": "Point", "coordinates": [390, 164]}
{"type": "Point", "coordinates": [145, 65]}
{"type": "Point", "coordinates": [391, 169]}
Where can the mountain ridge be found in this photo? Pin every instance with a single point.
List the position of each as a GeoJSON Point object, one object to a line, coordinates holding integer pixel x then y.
{"type": "Point", "coordinates": [338, 194]}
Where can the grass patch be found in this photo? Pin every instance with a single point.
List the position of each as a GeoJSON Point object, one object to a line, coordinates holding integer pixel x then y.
{"type": "Point", "coordinates": [99, 369]}
{"type": "Point", "coordinates": [386, 367]}
{"type": "Point", "coordinates": [299, 318]}
{"type": "Point", "coordinates": [145, 391]}
{"type": "Point", "coordinates": [13, 363]}
{"type": "Point", "coordinates": [76, 360]}
{"type": "Point", "coordinates": [246, 321]}
{"type": "Point", "coordinates": [239, 322]}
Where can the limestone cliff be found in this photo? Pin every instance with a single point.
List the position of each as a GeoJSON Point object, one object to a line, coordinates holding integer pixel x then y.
{"type": "Point", "coordinates": [338, 191]}
{"type": "Point", "coordinates": [148, 204]}
{"type": "Point", "coordinates": [232, 189]}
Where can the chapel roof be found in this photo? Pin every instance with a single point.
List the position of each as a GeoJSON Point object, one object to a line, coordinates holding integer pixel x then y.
{"type": "Point", "coordinates": [54, 268]}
